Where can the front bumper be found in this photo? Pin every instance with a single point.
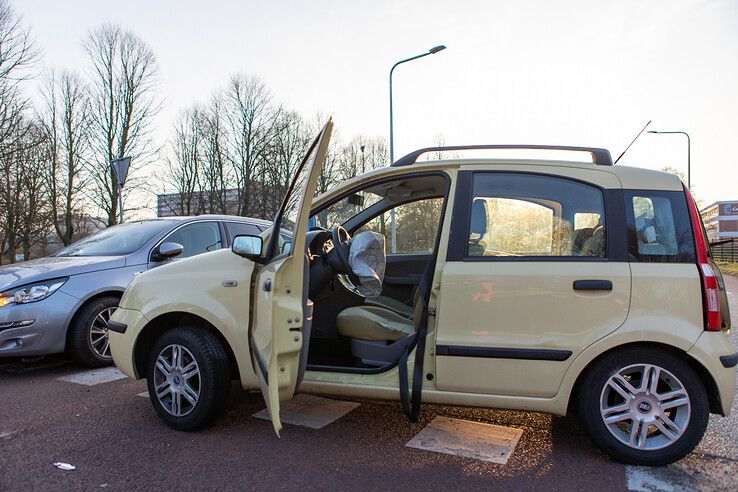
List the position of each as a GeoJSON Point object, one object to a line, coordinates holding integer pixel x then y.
{"type": "Point", "coordinates": [711, 349]}
{"type": "Point", "coordinates": [47, 333]}
{"type": "Point", "coordinates": [123, 345]}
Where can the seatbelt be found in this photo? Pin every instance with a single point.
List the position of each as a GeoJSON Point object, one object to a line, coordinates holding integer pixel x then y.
{"type": "Point", "coordinates": [411, 404]}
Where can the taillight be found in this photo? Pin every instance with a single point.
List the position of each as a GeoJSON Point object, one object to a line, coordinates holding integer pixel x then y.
{"type": "Point", "coordinates": [710, 289]}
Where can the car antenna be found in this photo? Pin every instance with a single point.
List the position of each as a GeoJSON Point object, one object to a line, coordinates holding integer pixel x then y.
{"type": "Point", "coordinates": [632, 142]}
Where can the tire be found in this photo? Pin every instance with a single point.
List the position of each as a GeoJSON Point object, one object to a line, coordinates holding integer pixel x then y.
{"type": "Point", "coordinates": [679, 406]}
{"type": "Point", "coordinates": [88, 342]}
{"type": "Point", "coordinates": [188, 401]}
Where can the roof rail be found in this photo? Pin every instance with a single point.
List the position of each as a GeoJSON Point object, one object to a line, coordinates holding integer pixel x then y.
{"type": "Point", "coordinates": [600, 157]}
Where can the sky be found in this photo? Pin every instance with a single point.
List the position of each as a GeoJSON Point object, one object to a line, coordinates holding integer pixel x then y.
{"type": "Point", "coordinates": [582, 73]}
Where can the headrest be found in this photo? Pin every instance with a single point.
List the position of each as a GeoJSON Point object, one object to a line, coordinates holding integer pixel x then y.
{"type": "Point", "coordinates": [478, 217]}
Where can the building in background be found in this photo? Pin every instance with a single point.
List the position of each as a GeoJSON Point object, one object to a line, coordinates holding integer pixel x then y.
{"type": "Point", "coordinates": [721, 220]}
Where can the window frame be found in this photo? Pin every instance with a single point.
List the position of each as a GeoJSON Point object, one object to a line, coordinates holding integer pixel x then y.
{"type": "Point", "coordinates": [613, 204]}
{"type": "Point", "coordinates": [682, 226]}
{"type": "Point", "coordinates": [221, 231]}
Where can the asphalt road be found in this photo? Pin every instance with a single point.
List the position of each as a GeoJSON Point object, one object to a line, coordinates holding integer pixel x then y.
{"type": "Point", "coordinates": [115, 441]}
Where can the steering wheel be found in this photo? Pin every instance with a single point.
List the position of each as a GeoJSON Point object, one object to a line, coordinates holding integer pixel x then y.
{"type": "Point", "coordinates": [341, 245]}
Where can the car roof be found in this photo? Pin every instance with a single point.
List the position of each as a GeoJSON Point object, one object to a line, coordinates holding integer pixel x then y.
{"type": "Point", "coordinates": [227, 218]}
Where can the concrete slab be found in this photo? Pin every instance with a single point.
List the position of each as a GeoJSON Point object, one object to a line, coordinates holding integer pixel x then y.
{"type": "Point", "coordinates": [480, 441]}
{"type": "Point", "coordinates": [94, 376]}
{"type": "Point", "coordinates": [310, 411]}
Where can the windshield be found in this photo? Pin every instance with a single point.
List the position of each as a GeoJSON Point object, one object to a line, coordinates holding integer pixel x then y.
{"type": "Point", "coordinates": [117, 240]}
{"type": "Point", "coordinates": [341, 211]}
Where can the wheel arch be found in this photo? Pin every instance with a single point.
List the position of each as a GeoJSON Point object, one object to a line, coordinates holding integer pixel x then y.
{"type": "Point", "coordinates": [168, 321]}
{"type": "Point", "coordinates": [84, 302]}
{"type": "Point", "coordinates": [702, 372]}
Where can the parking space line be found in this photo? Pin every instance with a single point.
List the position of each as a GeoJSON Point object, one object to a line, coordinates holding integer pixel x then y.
{"type": "Point", "coordinates": [477, 440]}
{"type": "Point", "coordinates": [145, 394]}
{"type": "Point", "coordinates": [310, 411]}
{"type": "Point", "coordinates": [94, 376]}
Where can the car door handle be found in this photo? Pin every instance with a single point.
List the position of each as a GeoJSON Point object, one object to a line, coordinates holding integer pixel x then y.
{"type": "Point", "coordinates": [592, 285]}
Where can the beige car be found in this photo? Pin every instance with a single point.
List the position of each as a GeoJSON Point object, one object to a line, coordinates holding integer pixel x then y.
{"type": "Point", "coordinates": [542, 285]}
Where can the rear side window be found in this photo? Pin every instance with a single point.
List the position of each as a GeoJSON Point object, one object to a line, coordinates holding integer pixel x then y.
{"type": "Point", "coordinates": [241, 228]}
{"type": "Point", "coordinates": [658, 227]}
{"type": "Point", "coordinates": [525, 215]}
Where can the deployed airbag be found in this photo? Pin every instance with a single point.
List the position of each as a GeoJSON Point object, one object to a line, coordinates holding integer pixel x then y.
{"type": "Point", "coordinates": [368, 259]}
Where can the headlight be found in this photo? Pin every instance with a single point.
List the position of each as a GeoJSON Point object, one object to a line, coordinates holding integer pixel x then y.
{"type": "Point", "coordinates": [31, 292]}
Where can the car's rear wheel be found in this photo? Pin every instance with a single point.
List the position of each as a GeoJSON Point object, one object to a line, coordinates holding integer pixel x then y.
{"type": "Point", "coordinates": [188, 378]}
{"type": "Point", "coordinates": [88, 341]}
{"type": "Point", "coordinates": [643, 406]}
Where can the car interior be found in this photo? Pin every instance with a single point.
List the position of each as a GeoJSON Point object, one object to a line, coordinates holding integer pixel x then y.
{"type": "Point", "coordinates": [351, 332]}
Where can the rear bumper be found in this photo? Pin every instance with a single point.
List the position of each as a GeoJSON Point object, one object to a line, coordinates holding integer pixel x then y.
{"type": "Point", "coordinates": [713, 350]}
{"type": "Point", "coordinates": [123, 345]}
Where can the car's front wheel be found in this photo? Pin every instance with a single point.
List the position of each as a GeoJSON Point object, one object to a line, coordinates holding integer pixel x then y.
{"type": "Point", "coordinates": [188, 377]}
{"type": "Point", "coordinates": [88, 341]}
{"type": "Point", "coordinates": [643, 406]}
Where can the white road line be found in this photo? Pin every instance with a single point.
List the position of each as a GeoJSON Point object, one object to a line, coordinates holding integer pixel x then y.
{"type": "Point", "coordinates": [94, 376]}
{"type": "Point", "coordinates": [145, 394]}
{"type": "Point", "coordinates": [310, 411]}
{"type": "Point", "coordinates": [480, 441]}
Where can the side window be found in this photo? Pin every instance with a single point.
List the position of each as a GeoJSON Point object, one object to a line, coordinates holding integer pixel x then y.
{"type": "Point", "coordinates": [659, 229]}
{"type": "Point", "coordinates": [417, 226]}
{"type": "Point", "coordinates": [525, 215]}
{"type": "Point", "coordinates": [197, 238]}
{"type": "Point", "coordinates": [239, 228]}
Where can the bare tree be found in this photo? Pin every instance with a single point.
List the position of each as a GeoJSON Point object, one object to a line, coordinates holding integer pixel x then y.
{"type": "Point", "coordinates": [185, 164]}
{"type": "Point", "coordinates": [252, 126]}
{"type": "Point", "coordinates": [17, 55]}
{"type": "Point", "coordinates": [362, 154]}
{"type": "Point", "coordinates": [217, 172]}
{"type": "Point", "coordinates": [124, 89]}
{"type": "Point", "coordinates": [66, 122]}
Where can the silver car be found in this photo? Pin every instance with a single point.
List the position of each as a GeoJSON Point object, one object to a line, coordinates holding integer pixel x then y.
{"type": "Point", "coordinates": [62, 303]}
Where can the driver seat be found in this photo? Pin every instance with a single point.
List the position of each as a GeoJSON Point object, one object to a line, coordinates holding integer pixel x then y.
{"type": "Point", "coordinates": [378, 335]}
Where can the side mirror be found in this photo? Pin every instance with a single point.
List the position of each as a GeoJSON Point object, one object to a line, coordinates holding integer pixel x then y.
{"type": "Point", "coordinates": [247, 246]}
{"type": "Point", "coordinates": [166, 251]}
{"type": "Point", "coordinates": [286, 246]}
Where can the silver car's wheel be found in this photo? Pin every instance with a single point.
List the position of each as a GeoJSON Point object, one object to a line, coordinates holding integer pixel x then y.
{"type": "Point", "coordinates": [645, 407]}
{"type": "Point", "coordinates": [98, 335]}
{"type": "Point", "coordinates": [177, 380]}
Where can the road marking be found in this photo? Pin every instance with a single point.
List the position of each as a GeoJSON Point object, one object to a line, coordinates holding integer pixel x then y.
{"type": "Point", "coordinates": [94, 377]}
{"type": "Point", "coordinates": [145, 394]}
{"type": "Point", "coordinates": [310, 411]}
{"type": "Point", "coordinates": [659, 479]}
{"type": "Point", "coordinates": [485, 442]}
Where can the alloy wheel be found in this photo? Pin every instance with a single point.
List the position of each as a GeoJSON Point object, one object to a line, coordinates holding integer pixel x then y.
{"type": "Point", "coordinates": [645, 407]}
{"type": "Point", "coordinates": [177, 380]}
{"type": "Point", "coordinates": [99, 339]}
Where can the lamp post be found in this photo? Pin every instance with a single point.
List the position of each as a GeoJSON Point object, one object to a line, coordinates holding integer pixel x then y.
{"type": "Point", "coordinates": [120, 168]}
{"type": "Point", "coordinates": [689, 152]}
{"type": "Point", "coordinates": [431, 51]}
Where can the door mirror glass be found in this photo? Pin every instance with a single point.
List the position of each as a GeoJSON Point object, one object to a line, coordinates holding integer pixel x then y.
{"type": "Point", "coordinates": [167, 250]}
{"type": "Point", "coordinates": [247, 246]}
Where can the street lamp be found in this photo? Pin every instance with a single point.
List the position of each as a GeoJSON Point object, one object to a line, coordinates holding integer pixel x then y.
{"type": "Point", "coordinates": [120, 168]}
{"type": "Point", "coordinates": [689, 152]}
{"type": "Point", "coordinates": [431, 51]}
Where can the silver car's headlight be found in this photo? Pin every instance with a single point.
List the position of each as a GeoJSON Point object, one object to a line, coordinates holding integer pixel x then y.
{"type": "Point", "coordinates": [31, 292]}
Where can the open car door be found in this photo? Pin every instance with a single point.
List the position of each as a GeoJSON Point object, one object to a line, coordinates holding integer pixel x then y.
{"type": "Point", "coordinates": [281, 311]}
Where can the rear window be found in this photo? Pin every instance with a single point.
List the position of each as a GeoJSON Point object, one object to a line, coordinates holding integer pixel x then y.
{"type": "Point", "coordinates": [659, 229]}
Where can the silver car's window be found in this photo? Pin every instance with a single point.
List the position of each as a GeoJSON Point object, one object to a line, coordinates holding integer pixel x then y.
{"type": "Point", "coordinates": [197, 238]}
{"type": "Point", "coordinates": [117, 240]}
